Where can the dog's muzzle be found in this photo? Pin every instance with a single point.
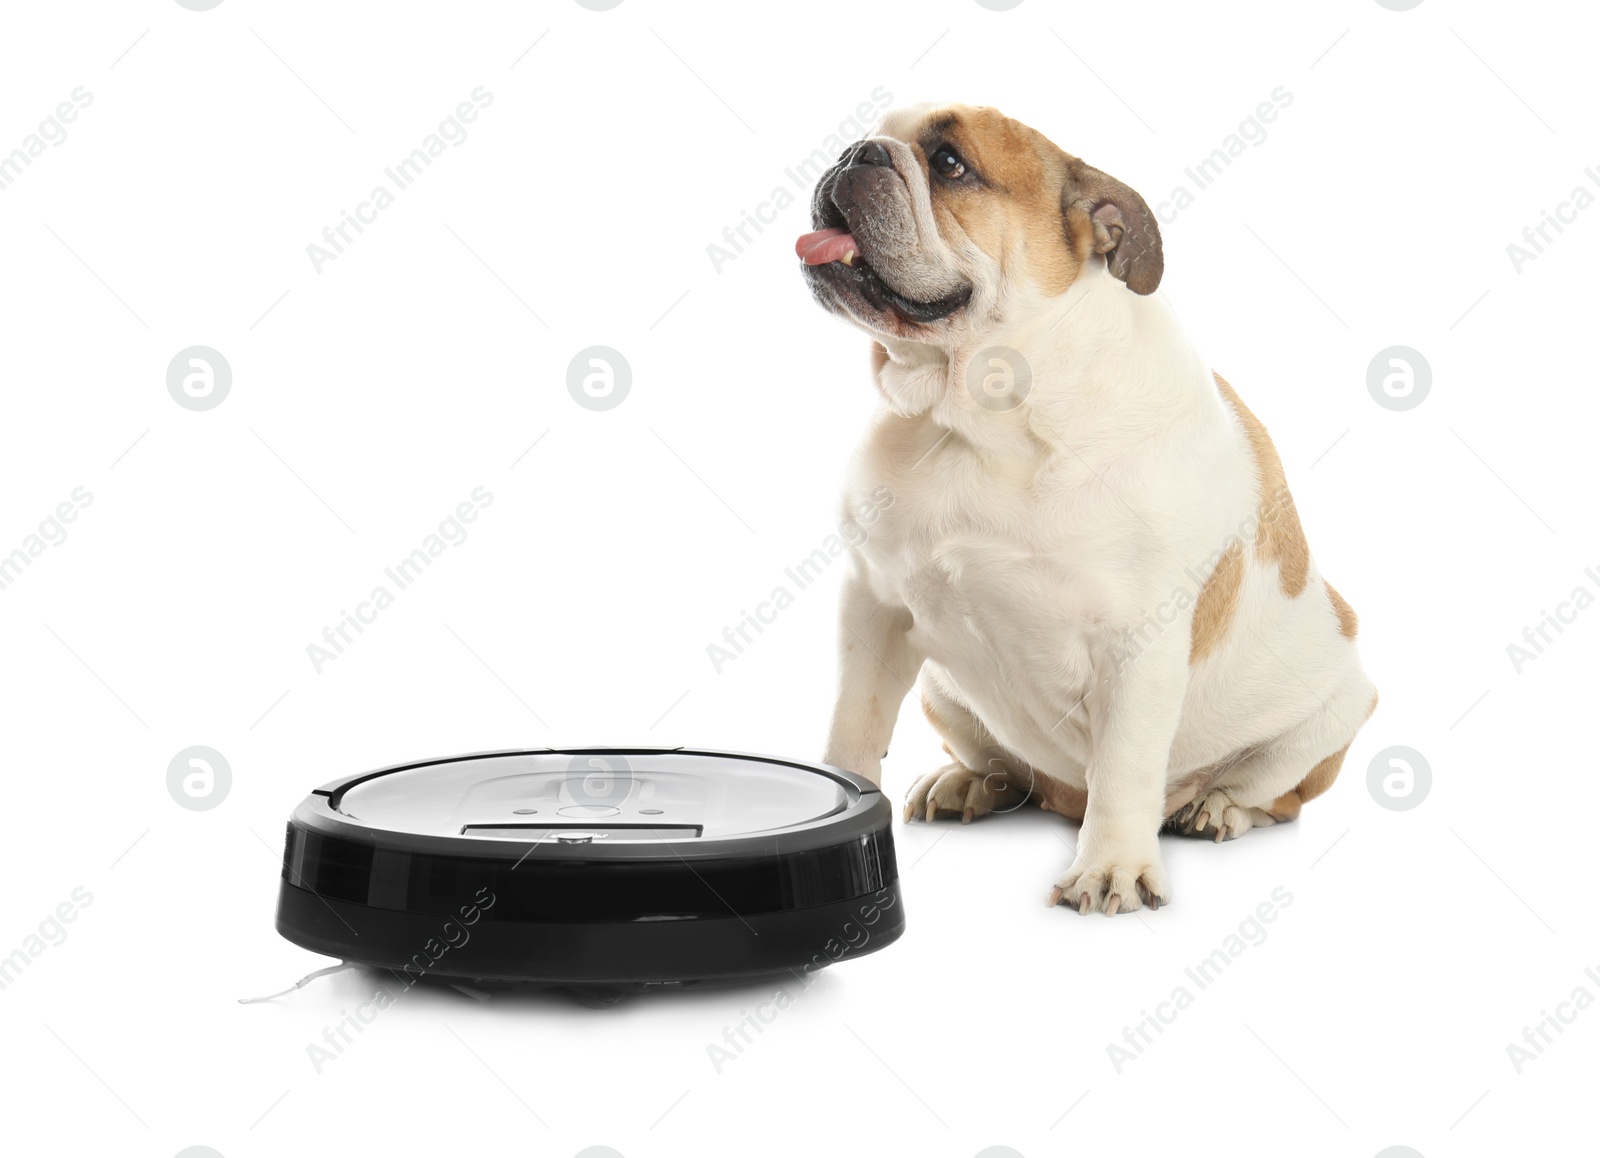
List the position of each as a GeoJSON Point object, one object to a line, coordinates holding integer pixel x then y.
{"type": "Point", "coordinates": [865, 242]}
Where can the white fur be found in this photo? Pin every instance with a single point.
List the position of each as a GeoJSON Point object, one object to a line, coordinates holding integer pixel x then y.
{"type": "Point", "coordinates": [1022, 546]}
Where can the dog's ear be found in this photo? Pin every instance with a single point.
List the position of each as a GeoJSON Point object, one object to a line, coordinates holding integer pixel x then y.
{"type": "Point", "coordinates": [1119, 223]}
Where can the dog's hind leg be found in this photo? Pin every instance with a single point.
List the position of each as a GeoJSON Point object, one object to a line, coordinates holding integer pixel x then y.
{"type": "Point", "coordinates": [1270, 785]}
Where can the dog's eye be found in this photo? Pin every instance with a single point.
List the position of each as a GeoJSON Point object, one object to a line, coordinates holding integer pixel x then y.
{"type": "Point", "coordinates": [948, 164]}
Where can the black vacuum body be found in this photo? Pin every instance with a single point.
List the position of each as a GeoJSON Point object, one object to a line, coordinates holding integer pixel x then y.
{"type": "Point", "coordinates": [610, 867]}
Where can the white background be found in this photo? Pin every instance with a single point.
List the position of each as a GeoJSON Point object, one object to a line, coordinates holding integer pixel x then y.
{"type": "Point", "coordinates": [372, 397]}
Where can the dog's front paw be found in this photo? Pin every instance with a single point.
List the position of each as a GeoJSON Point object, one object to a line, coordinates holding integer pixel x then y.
{"type": "Point", "coordinates": [955, 788]}
{"type": "Point", "coordinates": [1113, 884]}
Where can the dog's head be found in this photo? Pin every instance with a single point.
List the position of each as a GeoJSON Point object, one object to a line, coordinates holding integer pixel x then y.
{"type": "Point", "coordinates": [950, 218]}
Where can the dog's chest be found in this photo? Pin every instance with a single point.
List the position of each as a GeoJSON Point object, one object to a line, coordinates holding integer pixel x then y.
{"type": "Point", "coordinates": [1004, 573]}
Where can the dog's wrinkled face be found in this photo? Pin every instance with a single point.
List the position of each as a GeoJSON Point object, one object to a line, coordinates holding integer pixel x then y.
{"type": "Point", "coordinates": [930, 229]}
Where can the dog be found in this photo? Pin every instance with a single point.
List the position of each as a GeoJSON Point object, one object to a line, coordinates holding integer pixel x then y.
{"type": "Point", "coordinates": [1089, 553]}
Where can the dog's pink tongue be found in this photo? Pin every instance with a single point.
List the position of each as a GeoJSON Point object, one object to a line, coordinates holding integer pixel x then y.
{"type": "Point", "coordinates": [825, 245]}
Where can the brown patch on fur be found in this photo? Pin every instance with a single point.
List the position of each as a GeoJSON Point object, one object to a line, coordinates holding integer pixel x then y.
{"type": "Point", "coordinates": [1346, 614]}
{"type": "Point", "coordinates": [1281, 539]}
{"type": "Point", "coordinates": [1285, 808]}
{"type": "Point", "coordinates": [1058, 796]}
{"type": "Point", "coordinates": [1033, 205]}
{"type": "Point", "coordinates": [1320, 778]}
{"type": "Point", "coordinates": [1219, 600]}
{"type": "Point", "coordinates": [1019, 196]}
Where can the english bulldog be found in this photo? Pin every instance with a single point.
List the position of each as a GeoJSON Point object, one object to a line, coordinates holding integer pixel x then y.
{"type": "Point", "coordinates": [1091, 556]}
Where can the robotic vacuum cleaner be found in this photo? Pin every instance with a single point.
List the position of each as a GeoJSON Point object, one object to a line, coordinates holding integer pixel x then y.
{"type": "Point", "coordinates": [612, 868]}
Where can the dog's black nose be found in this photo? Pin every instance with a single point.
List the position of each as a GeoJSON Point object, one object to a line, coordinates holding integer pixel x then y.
{"type": "Point", "coordinates": [871, 153]}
